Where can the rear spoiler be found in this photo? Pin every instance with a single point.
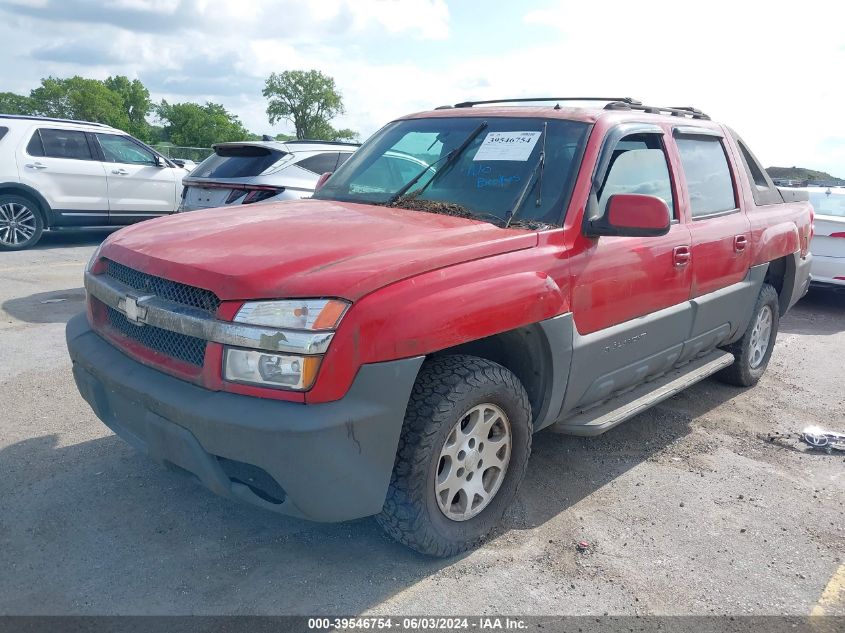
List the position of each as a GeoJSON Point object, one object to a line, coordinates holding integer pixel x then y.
{"type": "Point", "coordinates": [793, 195]}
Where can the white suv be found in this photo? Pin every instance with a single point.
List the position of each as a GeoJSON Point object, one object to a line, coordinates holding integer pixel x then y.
{"type": "Point", "coordinates": [56, 173]}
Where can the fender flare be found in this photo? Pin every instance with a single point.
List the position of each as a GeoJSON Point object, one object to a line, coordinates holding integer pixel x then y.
{"type": "Point", "coordinates": [29, 192]}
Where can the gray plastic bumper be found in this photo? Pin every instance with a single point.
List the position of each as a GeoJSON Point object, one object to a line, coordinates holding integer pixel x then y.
{"type": "Point", "coordinates": [328, 462]}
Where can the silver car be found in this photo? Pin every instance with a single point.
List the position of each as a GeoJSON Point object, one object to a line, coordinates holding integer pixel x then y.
{"type": "Point", "coordinates": [259, 171]}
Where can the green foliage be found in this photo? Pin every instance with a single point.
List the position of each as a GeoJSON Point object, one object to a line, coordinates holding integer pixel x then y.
{"type": "Point", "coordinates": [802, 173]}
{"type": "Point", "coordinates": [194, 125]}
{"type": "Point", "coordinates": [125, 104]}
{"type": "Point", "coordinates": [11, 103]}
{"type": "Point", "coordinates": [80, 98]}
{"type": "Point", "coordinates": [117, 101]}
{"type": "Point", "coordinates": [136, 104]}
{"type": "Point", "coordinates": [309, 100]}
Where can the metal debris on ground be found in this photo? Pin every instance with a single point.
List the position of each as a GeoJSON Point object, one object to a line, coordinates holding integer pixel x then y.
{"type": "Point", "coordinates": [825, 440]}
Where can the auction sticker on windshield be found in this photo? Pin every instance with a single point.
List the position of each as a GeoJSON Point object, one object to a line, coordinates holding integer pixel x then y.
{"type": "Point", "coordinates": [507, 146]}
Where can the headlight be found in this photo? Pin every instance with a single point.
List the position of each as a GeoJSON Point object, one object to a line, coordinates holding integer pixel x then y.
{"type": "Point", "coordinates": [297, 314]}
{"type": "Point", "coordinates": [269, 370]}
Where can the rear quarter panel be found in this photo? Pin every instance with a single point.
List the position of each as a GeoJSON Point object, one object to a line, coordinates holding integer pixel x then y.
{"type": "Point", "coordinates": [777, 230]}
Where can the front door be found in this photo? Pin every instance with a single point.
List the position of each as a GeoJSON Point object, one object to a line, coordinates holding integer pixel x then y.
{"type": "Point", "coordinates": [630, 295]}
{"type": "Point", "coordinates": [138, 187]}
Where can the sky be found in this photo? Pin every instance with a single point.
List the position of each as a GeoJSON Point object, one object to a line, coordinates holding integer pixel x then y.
{"type": "Point", "coordinates": [772, 70]}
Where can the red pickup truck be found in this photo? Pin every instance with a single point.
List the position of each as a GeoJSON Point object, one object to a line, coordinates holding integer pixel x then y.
{"type": "Point", "coordinates": [470, 276]}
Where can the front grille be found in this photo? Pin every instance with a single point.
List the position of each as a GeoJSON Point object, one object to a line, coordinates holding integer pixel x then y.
{"type": "Point", "coordinates": [164, 288]}
{"type": "Point", "coordinates": [188, 349]}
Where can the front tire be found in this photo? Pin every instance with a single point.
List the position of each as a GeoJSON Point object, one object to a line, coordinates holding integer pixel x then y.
{"type": "Point", "coordinates": [21, 224]}
{"type": "Point", "coordinates": [753, 351]}
{"type": "Point", "coordinates": [462, 454]}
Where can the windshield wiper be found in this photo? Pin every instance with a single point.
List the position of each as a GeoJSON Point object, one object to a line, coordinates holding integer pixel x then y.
{"type": "Point", "coordinates": [536, 173]}
{"type": "Point", "coordinates": [449, 158]}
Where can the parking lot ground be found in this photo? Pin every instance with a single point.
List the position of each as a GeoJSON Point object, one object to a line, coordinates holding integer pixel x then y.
{"type": "Point", "coordinates": [687, 509]}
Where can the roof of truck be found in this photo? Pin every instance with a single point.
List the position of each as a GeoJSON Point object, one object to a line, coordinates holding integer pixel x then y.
{"type": "Point", "coordinates": [619, 108]}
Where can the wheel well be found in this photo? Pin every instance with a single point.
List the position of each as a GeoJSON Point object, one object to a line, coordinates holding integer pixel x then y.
{"type": "Point", "coordinates": [524, 352]}
{"type": "Point", "coordinates": [781, 275]}
{"type": "Point", "coordinates": [33, 198]}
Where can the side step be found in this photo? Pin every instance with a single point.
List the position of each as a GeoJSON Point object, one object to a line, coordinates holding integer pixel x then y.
{"type": "Point", "coordinates": [608, 414]}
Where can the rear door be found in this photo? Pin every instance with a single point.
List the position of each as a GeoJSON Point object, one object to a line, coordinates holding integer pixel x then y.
{"type": "Point", "coordinates": [721, 232]}
{"type": "Point", "coordinates": [62, 166]}
{"type": "Point", "coordinates": [138, 187]}
{"type": "Point", "coordinates": [723, 292]}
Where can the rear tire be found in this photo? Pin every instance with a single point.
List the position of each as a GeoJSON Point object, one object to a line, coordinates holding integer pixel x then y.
{"type": "Point", "coordinates": [753, 351]}
{"type": "Point", "coordinates": [21, 223]}
{"type": "Point", "coordinates": [463, 411]}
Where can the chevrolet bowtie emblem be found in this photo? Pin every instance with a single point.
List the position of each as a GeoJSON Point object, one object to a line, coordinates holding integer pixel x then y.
{"type": "Point", "coordinates": [133, 309]}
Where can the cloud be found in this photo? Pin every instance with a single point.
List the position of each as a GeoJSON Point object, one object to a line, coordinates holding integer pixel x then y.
{"type": "Point", "coordinates": [769, 74]}
{"type": "Point", "coordinates": [75, 53]}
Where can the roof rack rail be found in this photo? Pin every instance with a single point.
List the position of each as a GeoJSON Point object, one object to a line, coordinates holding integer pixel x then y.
{"type": "Point", "coordinates": [28, 117]}
{"type": "Point", "coordinates": [674, 110]}
{"type": "Point", "coordinates": [469, 104]}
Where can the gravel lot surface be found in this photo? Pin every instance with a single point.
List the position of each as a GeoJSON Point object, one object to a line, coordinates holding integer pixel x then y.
{"type": "Point", "coordinates": [687, 509]}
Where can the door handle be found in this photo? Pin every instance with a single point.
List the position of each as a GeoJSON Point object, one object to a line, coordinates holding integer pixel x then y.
{"type": "Point", "coordinates": [681, 255]}
{"type": "Point", "coordinates": [120, 172]}
{"type": "Point", "coordinates": [740, 242]}
{"type": "Point", "coordinates": [36, 165]}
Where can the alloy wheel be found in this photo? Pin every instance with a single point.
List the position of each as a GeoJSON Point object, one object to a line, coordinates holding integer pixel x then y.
{"type": "Point", "coordinates": [17, 224]}
{"type": "Point", "coordinates": [473, 462]}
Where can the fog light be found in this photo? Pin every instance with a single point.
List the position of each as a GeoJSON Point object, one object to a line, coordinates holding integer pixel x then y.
{"type": "Point", "coordinates": [269, 370]}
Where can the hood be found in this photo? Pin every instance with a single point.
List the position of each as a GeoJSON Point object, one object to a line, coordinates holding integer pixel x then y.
{"type": "Point", "coordinates": [305, 248]}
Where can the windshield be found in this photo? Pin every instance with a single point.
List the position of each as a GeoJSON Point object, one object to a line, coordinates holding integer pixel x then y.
{"type": "Point", "coordinates": [828, 203]}
{"type": "Point", "coordinates": [485, 179]}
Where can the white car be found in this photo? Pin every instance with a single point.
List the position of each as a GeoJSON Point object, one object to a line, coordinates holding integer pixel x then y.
{"type": "Point", "coordinates": [828, 245]}
{"type": "Point", "coordinates": [261, 171]}
{"type": "Point", "coordinates": [57, 174]}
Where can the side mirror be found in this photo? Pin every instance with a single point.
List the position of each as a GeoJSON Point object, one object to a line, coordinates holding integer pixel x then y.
{"type": "Point", "coordinates": [178, 162]}
{"type": "Point", "coordinates": [631, 215]}
{"type": "Point", "coordinates": [160, 162]}
{"type": "Point", "coordinates": [322, 180]}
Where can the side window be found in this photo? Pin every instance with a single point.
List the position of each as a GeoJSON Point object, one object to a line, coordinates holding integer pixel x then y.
{"type": "Point", "coordinates": [35, 147]}
{"type": "Point", "coordinates": [638, 165]}
{"type": "Point", "coordinates": [754, 169]}
{"type": "Point", "coordinates": [65, 144]}
{"type": "Point", "coordinates": [120, 149]}
{"type": "Point", "coordinates": [319, 163]}
{"type": "Point", "coordinates": [708, 175]}
{"type": "Point", "coordinates": [762, 187]}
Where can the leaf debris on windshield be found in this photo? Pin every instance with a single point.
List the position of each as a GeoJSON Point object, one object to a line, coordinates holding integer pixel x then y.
{"type": "Point", "coordinates": [414, 203]}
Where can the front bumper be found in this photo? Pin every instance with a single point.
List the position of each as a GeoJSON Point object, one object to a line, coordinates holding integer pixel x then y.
{"type": "Point", "coordinates": [324, 462]}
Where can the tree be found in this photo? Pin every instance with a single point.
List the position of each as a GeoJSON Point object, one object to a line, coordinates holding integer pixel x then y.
{"type": "Point", "coordinates": [80, 98]}
{"type": "Point", "coordinates": [136, 104]}
{"type": "Point", "coordinates": [309, 100]}
{"type": "Point", "coordinates": [194, 125]}
{"type": "Point", "coordinates": [11, 103]}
